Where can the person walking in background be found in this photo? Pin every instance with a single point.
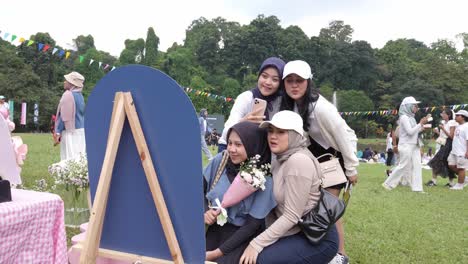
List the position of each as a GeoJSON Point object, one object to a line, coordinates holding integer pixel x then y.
{"type": "Point", "coordinates": [458, 158]}
{"type": "Point", "coordinates": [268, 89]}
{"type": "Point", "coordinates": [69, 127]}
{"type": "Point", "coordinates": [408, 147]}
{"type": "Point", "coordinates": [439, 163]}
{"type": "Point", "coordinates": [203, 130]}
{"type": "Point", "coordinates": [389, 161]}
{"type": "Point", "coordinates": [326, 129]}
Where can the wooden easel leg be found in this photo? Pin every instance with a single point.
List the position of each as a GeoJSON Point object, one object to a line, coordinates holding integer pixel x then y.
{"type": "Point", "coordinates": [93, 234]}
{"type": "Point", "coordinates": [152, 178]}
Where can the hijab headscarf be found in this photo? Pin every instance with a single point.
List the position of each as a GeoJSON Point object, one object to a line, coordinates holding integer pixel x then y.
{"type": "Point", "coordinates": [255, 142]}
{"type": "Point", "coordinates": [296, 143]}
{"type": "Point", "coordinates": [407, 110]}
{"type": "Point", "coordinates": [278, 64]}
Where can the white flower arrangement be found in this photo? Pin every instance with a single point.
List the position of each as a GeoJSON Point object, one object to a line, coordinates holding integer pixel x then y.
{"type": "Point", "coordinates": [71, 173]}
{"type": "Point", "coordinates": [254, 175]}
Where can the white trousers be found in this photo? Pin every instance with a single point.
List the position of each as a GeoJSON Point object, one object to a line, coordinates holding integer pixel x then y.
{"type": "Point", "coordinates": [72, 143]}
{"type": "Point", "coordinates": [205, 148]}
{"type": "Point", "coordinates": [409, 167]}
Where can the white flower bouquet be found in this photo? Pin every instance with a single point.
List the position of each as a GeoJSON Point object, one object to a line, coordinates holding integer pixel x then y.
{"type": "Point", "coordinates": [254, 175]}
{"type": "Point", "coordinates": [72, 173]}
{"type": "Point", "coordinates": [250, 178]}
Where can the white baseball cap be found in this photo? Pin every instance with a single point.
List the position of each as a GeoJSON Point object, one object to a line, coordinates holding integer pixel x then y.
{"type": "Point", "coordinates": [462, 113]}
{"type": "Point", "coordinates": [410, 100]}
{"type": "Point", "coordinates": [287, 120]}
{"type": "Point", "coordinates": [298, 67]}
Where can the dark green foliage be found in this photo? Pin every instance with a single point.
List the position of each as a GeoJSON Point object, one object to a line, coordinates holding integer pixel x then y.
{"type": "Point", "coordinates": [222, 57]}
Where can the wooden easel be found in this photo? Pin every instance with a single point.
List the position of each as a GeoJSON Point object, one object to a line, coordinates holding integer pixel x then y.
{"type": "Point", "coordinates": [124, 107]}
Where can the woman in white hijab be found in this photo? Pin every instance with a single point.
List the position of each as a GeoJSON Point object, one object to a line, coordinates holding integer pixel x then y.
{"type": "Point", "coordinates": [408, 147]}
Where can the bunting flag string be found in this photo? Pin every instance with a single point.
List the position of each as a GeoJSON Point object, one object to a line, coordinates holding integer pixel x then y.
{"type": "Point", "coordinates": [206, 94]}
{"type": "Point", "coordinates": [43, 47]}
{"type": "Point", "coordinates": [390, 112]}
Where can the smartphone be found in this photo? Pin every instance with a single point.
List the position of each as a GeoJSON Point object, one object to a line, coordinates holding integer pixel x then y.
{"type": "Point", "coordinates": [259, 106]}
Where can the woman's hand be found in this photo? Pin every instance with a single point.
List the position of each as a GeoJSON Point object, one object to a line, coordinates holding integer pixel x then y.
{"type": "Point", "coordinates": [423, 121]}
{"type": "Point", "coordinates": [353, 179]}
{"type": "Point", "coordinates": [255, 117]}
{"type": "Point", "coordinates": [250, 256]}
{"type": "Point", "coordinates": [210, 216]}
{"type": "Point", "coordinates": [213, 254]}
{"type": "Point", "coordinates": [56, 139]}
{"type": "Point", "coordinates": [395, 149]}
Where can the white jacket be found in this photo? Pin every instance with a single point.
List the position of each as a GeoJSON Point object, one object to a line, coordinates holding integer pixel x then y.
{"type": "Point", "coordinates": [408, 134]}
{"type": "Point", "coordinates": [242, 107]}
{"type": "Point", "coordinates": [337, 133]}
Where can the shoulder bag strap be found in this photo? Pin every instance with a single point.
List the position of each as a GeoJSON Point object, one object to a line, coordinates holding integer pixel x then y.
{"type": "Point", "coordinates": [220, 169]}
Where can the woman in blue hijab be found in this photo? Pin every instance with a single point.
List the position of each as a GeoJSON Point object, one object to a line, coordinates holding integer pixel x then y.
{"type": "Point", "coordinates": [225, 244]}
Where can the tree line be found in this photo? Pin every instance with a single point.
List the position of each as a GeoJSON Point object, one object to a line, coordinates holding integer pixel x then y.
{"type": "Point", "coordinates": [222, 57]}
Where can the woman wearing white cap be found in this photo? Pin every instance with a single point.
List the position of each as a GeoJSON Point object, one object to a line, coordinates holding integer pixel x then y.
{"type": "Point", "coordinates": [69, 127]}
{"type": "Point", "coordinates": [458, 158]}
{"type": "Point", "coordinates": [327, 130]}
{"type": "Point", "coordinates": [408, 147]}
{"type": "Point", "coordinates": [296, 191]}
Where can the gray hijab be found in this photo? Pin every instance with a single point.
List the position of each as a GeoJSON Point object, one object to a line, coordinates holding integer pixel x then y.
{"type": "Point", "coordinates": [407, 110]}
{"type": "Point", "coordinates": [296, 143]}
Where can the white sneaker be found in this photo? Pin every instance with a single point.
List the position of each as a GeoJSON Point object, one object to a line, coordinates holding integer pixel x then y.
{"type": "Point", "coordinates": [388, 188]}
{"type": "Point", "coordinates": [339, 259]}
{"type": "Point", "coordinates": [458, 186]}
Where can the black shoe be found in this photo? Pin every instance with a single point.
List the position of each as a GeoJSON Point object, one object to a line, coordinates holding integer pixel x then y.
{"type": "Point", "coordinates": [431, 183]}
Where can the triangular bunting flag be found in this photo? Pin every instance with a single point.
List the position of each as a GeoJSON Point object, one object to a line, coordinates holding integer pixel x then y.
{"type": "Point", "coordinates": [30, 42]}
{"type": "Point", "coordinates": [13, 37]}
{"type": "Point", "coordinates": [91, 62]}
{"type": "Point", "coordinates": [113, 68]}
{"type": "Point", "coordinates": [46, 47]}
{"type": "Point", "coordinates": [21, 40]}
{"type": "Point", "coordinates": [81, 59]}
{"type": "Point", "coordinates": [61, 53]}
{"type": "Point", "coordinates": [67, 55]}
{"type": "Point", "coordinates": [100, 63]}
{"type": "Point", "coordinates": [107, 66]}
{"type": "Point", "coordinates": [6, 36]}
{"type": "Point", "coordinates": [40, 46]}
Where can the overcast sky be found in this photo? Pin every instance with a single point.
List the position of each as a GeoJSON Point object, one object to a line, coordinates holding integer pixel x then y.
{"type": "Point", "coordinates": [111, 22]}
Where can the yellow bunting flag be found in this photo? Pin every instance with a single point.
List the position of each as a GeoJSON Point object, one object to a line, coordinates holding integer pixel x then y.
{"type": "Point", "coordinates": [67, 55]}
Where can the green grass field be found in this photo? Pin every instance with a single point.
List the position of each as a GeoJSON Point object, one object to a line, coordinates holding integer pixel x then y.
{"type": "Point", "coordinates": [382, 226]}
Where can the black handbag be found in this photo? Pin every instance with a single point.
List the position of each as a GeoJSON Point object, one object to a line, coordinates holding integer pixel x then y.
{"type": "Point", "coordinates": [5, 191]}
{"type": "Point", "coordinates": [316, 223]}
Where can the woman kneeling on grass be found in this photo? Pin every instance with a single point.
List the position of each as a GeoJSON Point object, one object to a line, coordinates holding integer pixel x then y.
{"type": "Point", "coordinates": [296, 190]}
{"type": "Point", "coordinates": [225, 244]}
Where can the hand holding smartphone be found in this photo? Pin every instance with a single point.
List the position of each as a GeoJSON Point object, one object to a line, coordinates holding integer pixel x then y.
{"type": "Point", "coordinates": [258, 111]}
{"type": "Point", "coordinates": [259, 106]}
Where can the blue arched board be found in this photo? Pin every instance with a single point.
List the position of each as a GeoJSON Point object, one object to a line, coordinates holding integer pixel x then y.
{"type": "Point", "coordinates": [172, 133]}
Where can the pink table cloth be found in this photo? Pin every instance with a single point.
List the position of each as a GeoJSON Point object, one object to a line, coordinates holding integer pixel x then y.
{"type": "Point", "coordinates": [32, 229]}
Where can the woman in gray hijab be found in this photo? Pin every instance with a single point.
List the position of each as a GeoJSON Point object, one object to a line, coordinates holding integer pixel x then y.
{"type": "Point", "coordinates": [408, 147]}
{"type": "Point", "coordinates": [296, 190]}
